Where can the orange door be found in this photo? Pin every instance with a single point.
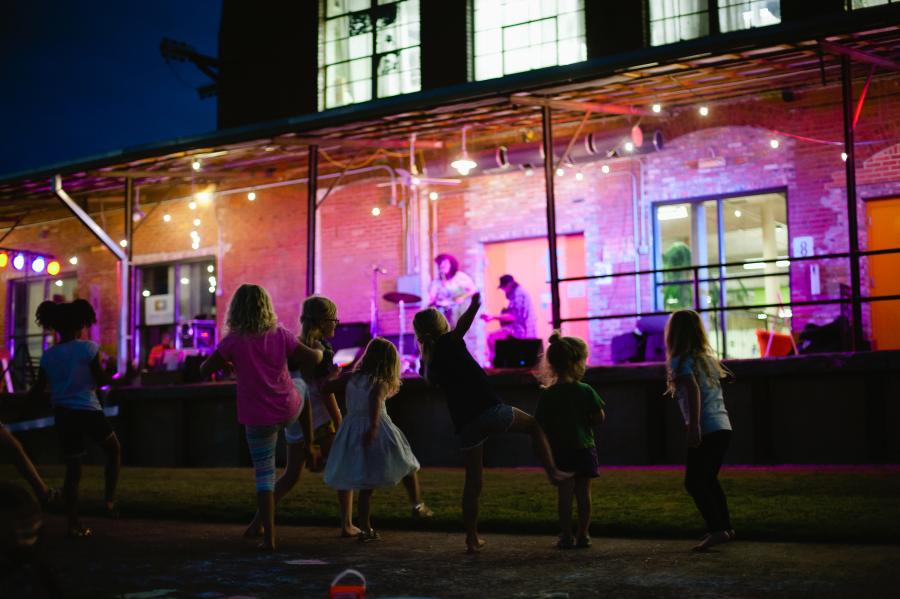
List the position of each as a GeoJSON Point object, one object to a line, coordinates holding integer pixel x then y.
{"type": "Point", "coordinates": [884, 233]}
{"type": "Point", "coordinates": [527, 260]}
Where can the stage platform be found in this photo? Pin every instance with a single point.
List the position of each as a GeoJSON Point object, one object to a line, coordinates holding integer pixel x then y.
{"type": "Point", "coordinates": [816, 409]}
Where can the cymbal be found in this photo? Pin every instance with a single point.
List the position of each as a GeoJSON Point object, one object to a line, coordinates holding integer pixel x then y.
{"type": "Point", "coordinates": [395, 297]}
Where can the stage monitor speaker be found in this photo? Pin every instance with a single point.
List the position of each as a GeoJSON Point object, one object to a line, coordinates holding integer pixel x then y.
{"type": "Point", "coordinates": [517, 353]}
{"type": "Point", "coordinates": [351, 334]}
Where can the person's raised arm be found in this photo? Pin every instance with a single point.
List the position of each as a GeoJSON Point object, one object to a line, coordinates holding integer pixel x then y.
{"type": "Point", "coordinates": [376, 396]}
{"type": "Point", "coordinates": [465, 321]}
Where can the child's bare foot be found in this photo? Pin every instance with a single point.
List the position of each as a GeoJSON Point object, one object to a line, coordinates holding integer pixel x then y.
{"type": "Point", "coordinates": [475, 545]}
{"type": "Point", "coordinates": [350, 532]}
{"type": "Point", "coordinates": [713, 539]}
{"type": "Point", "coordinates": [253, 531]}
{"type": "Point", "coordinates": [559, 476]}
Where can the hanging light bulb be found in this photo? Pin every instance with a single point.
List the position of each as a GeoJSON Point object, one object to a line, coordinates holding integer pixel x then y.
{"type": "Point", "coordinates": [196, 222]}
{"type": "Point", "coordinates": [844, 156]}
{"type": "Point", "coordinates": [560, 172]}
{"type": "Point", "coordinates": [629, 146]}
{"type": "Point", "coordinates": [167, 218]}
{"type": "Point", "coordinates": [433, 196]}
{"type": "Point", "coordinates": [579, 176]}
{"type": "Point", "coordinates": [605, 169]}
{"type": "Point", "coordinates": [196, 165]}
{"type": "Point", "coordinates": [774, 143]}
{"type": "Point", "coordinates": [656, 108]}
{"type": "Point", "coordinates": [376, 211]}
{"type": "Point", "coordinates": [251, 196]}
{"type": "Point", "coordinates": [703, 110]}
{"type": "Point", "coordinates": [463, 164]}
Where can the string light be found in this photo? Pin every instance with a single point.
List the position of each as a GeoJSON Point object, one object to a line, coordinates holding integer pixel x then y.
{"type": "Point", "coordinates": [145, 293]}
{"type": "Point", "coordinates": [196, 222]}
{"type": "Point", "coordinates": [844, 156]}
{"type": "Point", "coordinates": [629, 146]}
{"type": "Point", "coordinates": [73, 260]}
{"type": "Point", "coordinates": [124, 243]}
{"type": "Point", "coordinates": [605, 169]}
{"type": "Point", "coordinates": [703, 110]}
{"type": "Point", "coordinates": [196, 165]}
{"type": "Point", "coordinates": [203, 197]}
{"type": "Point", "coordinates": [192, 205]}
{"type": "Point", "coordinates": [210, 268]}
{"type": "Point", "coordinates": [656, 108]}
{"type": "Point", "coordinates": [433, 196]}
{"type": "Point", "coordinates": [529, 172]}
{"type": "Point", "coordinates": [376, 211]}
{"type": "Point", "coordinates": [185, 281]}
{"type": "Point", "coordinates": [774, 143]}
{"type": "Point", "coordinates": [167, 218]}
{"type": "Point", "coordinates": [560, 172]}
{"type": "Point", "coordinates": [738, 213]}
{"type": "Point", "coordinates": [251, 197]}
{"type": "Point", "coordinates": [579, 176]}
{"type": "Point", "coordinates": [58, 283]}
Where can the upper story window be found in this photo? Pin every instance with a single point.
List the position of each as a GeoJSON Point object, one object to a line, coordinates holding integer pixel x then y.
{"type": "Point", "coordinates": [867, 3]}
{"type": "Point", "coordinates": [744, 14]}
{"type": "Point", "coordinates": [367, 49]}
{"type": "Point", "coordinates": [676, 20]}
{"type": "Point", "coordinates": [512, 36]}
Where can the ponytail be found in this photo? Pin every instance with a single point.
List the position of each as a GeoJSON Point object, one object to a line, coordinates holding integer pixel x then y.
{"type": "Point", "coordinates": [48, 315]}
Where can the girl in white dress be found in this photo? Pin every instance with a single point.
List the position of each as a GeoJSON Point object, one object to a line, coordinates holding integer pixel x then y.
{"type": "Point", "coordinates": [369, 450]}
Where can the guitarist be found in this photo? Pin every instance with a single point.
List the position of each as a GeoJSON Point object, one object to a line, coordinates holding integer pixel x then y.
{"type": "Point", "coordinates": [451, 290]}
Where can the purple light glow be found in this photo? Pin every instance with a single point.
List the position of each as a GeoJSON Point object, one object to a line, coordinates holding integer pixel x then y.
{"type": "Point", "coordinates": [19, 261]}
{"type": "Point", "coordinates": [38, 264]}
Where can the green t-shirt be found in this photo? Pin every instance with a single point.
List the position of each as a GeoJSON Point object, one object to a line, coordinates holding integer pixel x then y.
{"type": "Point", "coordinates": [565, 412]}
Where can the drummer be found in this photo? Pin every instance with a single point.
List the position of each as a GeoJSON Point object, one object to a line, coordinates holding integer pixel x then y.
{"type": "Point", "coordinates": [451, 290]}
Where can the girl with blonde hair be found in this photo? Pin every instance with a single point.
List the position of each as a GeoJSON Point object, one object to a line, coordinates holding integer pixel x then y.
{"type": "Point", "coordinates": [369, 451]}
{"type": "Point", "coordinates": [259, 349]}
{"type": "Point", "coordinates": [475, 408]}
{"type": "Point", "coordinates": [568, 410]}
{"type": "Point", "coordinates": [692, 377]}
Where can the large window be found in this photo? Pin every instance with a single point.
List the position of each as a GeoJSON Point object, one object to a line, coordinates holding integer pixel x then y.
{"type": "Point", "coordinates": [676, 20]}
{"type": "Point", "coordinates": [511, 36]}
{"type": "Point", "coordinates": [367, 49]}
{"type": "Point", "coordinates": [868, 3]}
{"type": "Point", "coordinates": [742, 230]}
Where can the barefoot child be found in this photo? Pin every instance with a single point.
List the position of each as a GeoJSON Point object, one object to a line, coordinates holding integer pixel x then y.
{"type": "Point", "coordinates": [693, 374]}
{"type": "Point", "coordinates": [369, 451]}
{"type": "Point", "coordinates": [476, 410]}
{"type": "Point", "coordinates": [567, 411]}
{"type": "Point", "coordinates": [259, 349]}
{"type": "Point", "coordinates": [72, 370]}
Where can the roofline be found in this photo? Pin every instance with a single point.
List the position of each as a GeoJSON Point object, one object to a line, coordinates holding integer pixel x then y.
{"type": "Point", "coordinates": [476, 90]}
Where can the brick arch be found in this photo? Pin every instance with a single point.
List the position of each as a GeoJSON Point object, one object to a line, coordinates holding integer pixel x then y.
{"type": "Point", "coordinates": [881, 167]}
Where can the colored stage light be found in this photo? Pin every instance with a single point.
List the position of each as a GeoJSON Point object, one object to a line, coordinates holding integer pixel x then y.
{"type": "Point", "coordinates": [4, 259]}
{"type": "Point", "coordinates": [53, 268]}
{"type": "Point", "coordinates": [19, 261]}
{"type": "Point", "coordinates": [38, 264]}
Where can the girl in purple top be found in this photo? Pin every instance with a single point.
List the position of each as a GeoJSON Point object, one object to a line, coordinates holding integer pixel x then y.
{"type": "Point", "coordinates": [259, 349]}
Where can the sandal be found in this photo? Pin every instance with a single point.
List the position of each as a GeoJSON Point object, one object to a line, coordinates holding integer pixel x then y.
{"type": "Point", "coordinates": [79, 532]}
{"type": "Point", "coordinates": [422, 512]}
{"type": "Point", "coordinates": [583, 542]}
{"type": "Point", "coordinates": [367, 536]}
{"type": "Point", "coordinates": [565, 543]}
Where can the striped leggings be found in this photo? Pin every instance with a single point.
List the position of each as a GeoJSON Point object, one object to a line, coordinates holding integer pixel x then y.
{"type": "Point", "coordinates": [262, 441]}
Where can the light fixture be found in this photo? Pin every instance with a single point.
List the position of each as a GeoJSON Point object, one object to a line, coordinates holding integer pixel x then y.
{"type": "Point", "coordinates": [762, 316]}
{"type": "Point", "coordinates": [145, 293]}
{"type": "Point", "coordinates": [703, 110]}
{"type": "Point", "coordinates": [73, 260]}
{"type": "Point", "coordinates": [38, 264]}
{"type": "Point", "coordinates": [433, 196]}
{"type": "Point", "coordinates": [192, 205]}
{"type": "Point", "coordinates": [123, 243]}
{"type": "Point", "coordinates": [579, 176]}
{"type": "Point", "coordinates": [844, 156]}
{"type": "Point", "coordinates": [196, 165]}
{"type": "Point", "coordinates": [58, 283]}
{"type": "Point", "coordinates": [53, 268]}
{"type": "Point", "coordinates": [605, 169]}
{"type": "Point", "coordinates": [212, 289]}
{"type": "Point", "coordinates": [774, 143]}
{"type": "Point", "coordinates": [212, 280]}
{"type": "Point", "coordinates": [376, 211]}
{"type": "Point", "coordinates": [4, 259]}
{"type": "Point", "coordinates": [196, 222]}
{"type": "Point", "coordinates": [251, 196]}
{"type": "Point", "coordinates": [167, 217]}
{"type": "Point", "coordinates": [753, 266]}
{"type": "Point", "coordinates": [629, 146]}
{"type": "Point", "coordinates": [19, 261]}
{"type": "Point", "coordinates": [782, 263]}
{"type": "Point", "coordinates": [656, 108]}
{"type": "Point", "coordinates": [195, 245]}
{"type": "Point", "coordinates": [671, 212]}
{"type": "Point", "coordinates": [210, 268]}
{"type": "Point", "coordinates": [738, 213]}
{"type": "Point", "coordinates": [203, 197]}
{"type": "Point", "coordinates": [414, 181]}
{"type": "Point", "coordinates": [463, 164]}
{"type": "Point", "coordinates": [185, 281]}
{"type": "Point", "coordinates": [560, 172]}
{"type": "Point", "coordinates": [195, 235]}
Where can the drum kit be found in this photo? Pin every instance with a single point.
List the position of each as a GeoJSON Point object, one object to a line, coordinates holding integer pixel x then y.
{"type": "Point", "coordinates": [408, 363]}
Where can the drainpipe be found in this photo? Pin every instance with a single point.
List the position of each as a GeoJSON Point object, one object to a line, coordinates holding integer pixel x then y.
{"type": "Point", "coordinates": [549, 174]}
{"type": "Point", "coordinates": [116, 251]}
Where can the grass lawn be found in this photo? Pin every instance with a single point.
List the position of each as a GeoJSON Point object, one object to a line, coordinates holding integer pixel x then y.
{"type": "Point", "coordinates": [860, 504]}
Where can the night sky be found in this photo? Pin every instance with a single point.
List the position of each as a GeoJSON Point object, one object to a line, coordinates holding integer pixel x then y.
{"type": "Point", "coordinates": [78, 79]}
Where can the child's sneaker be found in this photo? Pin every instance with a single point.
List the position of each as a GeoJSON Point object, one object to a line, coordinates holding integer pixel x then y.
{"type": "Point", "coordinates": [583, 542]}
{"type": "Point", "coordinates": [422, 512]}
{"type": "Point", "coordinates": [367, 536]}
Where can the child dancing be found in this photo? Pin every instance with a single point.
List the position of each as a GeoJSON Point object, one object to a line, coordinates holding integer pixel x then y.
{"type": "Point", "coordinates": [476, 410]}
{"type": "Point", "coordinates": [259, 349]}
{"type": "Point", "coordinates": [693, 373]}
{"type": "Point", "coordinates": [72, 370]}
{"type": "Point", "coordinates": [369, 451]}
{"type": "Point", "coordinates": [567, 411]}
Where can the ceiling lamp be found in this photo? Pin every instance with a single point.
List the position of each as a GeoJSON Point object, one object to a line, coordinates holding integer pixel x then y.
{"type": "Point", "coordinates": [463, 164]}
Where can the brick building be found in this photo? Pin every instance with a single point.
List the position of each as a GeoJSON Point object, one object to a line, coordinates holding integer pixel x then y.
{"type": "Point", "coordinates": [740, 170]}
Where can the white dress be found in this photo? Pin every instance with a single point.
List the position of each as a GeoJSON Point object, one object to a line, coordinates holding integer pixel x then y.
{"type": "Point", "coordinates": [384, 463]}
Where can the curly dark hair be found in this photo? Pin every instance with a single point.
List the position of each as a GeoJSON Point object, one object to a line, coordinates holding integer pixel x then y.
{"type": "Point", "coordinates": [65, 318]}
{"type": "Point", "coordinates": [454, 263]}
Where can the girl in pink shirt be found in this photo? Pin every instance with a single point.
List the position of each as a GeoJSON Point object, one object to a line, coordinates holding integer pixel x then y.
{"type": "Point", "coordinates": [259, 349]}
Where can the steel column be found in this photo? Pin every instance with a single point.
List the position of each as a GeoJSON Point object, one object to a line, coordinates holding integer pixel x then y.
{"type": "Point", "coordinates": [549, 174]}
{"type": "Point", "coordinates": [852, 224]}
{"type": "Point", "coordinates": [127, 291]}
{"type": "Point", "coordinates": [312, 173]}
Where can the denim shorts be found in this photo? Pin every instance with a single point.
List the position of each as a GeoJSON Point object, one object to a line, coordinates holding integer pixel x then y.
{"type": "Point", "coordinates": [494, 420]}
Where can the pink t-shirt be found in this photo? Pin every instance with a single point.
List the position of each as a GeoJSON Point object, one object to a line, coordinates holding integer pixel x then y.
{"type": "Point", "coordinates": [265, 392]}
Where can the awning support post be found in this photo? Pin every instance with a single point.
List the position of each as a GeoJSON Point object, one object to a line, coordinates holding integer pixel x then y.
{"type": "Point", "coordinates": [312, 174]}
{"type": "Point", "coordinates": [852, 224]}
{"type": "Point", "coordinates": [549, 174]}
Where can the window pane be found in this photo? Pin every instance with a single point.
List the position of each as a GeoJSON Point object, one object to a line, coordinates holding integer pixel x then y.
{"type": "Point", "coordinates": [868, 3]}
{"type": "Point", "coordinates": [744, 14]}
{"type": "Point", "coordinates": [488, 67]}
{"type": "Point", "coordinates": [672, 21]}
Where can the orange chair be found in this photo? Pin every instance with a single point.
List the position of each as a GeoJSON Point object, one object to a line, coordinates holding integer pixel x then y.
{"type": "Point", "coordinates": [773, 345]}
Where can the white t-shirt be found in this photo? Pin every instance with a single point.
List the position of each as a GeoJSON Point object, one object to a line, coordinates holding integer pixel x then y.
{"type": "Point", "coordinates": [68, 368]}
